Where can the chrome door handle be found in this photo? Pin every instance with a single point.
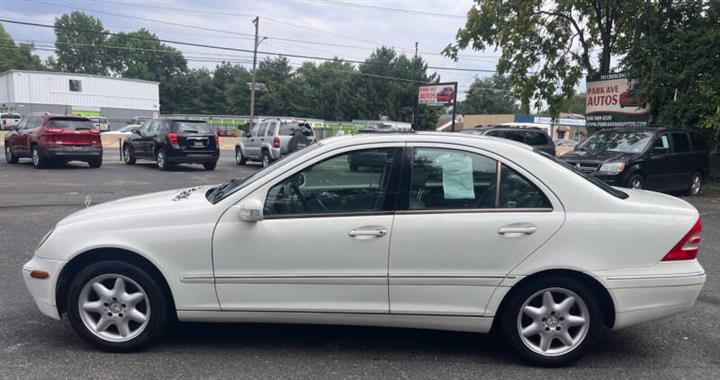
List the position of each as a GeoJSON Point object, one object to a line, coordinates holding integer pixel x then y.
{"type": "Point", "coordinates": [376, 232]}
{"type": "Point", "coordinates": [517, 229]}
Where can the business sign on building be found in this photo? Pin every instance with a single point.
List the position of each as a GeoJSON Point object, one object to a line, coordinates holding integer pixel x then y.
{"type": "Point", "coordinates": [441, 94]}
{"type": "Point", "coordinates": [613, 100]}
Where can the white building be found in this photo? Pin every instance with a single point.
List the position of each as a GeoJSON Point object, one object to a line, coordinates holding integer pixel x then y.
{"type": "Point", "coordinates": [117, 99]}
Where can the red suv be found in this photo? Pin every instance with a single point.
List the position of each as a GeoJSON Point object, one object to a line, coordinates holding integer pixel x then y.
{"type": "Point", "coordinates": [54, 138]}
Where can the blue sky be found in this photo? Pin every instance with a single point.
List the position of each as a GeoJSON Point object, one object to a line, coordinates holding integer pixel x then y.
{"type": "Point", "coordinates": [361, 27]}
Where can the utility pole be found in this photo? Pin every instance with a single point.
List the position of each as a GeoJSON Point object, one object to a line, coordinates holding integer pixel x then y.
{"type": "Point", "coordinates": [416, 48]}
{"type": "Point", "coordinates": [256, 21]}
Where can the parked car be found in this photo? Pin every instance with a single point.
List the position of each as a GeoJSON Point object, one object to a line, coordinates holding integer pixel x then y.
{"type": "Point", "coordinates": [272, 139]}
{"type": "Point", "coordinates": [446, 95]}
{"type": "Point", "coordinates": [9, 120]}
{"type": "Point", "coordinates": [456, 232]}
{"type": "Point", "coordinates": [534, 137]}
{"type": "Point", "coordinates": [226, 131]}
{"type": "Point", "coordinates": [47, 139]}
{"type": "Point", "coordinates": [563, 146]}
{"type": "Point", "coordinates": [631, 97]}
{"type": "Point", "coordinates": [658, 159]}
{"type": "Point", "coordinates": [171, 141]}
{"type": "Point", "coordinates": [129, 128]}
{"type": "Point", "coordinates": [101, 123]}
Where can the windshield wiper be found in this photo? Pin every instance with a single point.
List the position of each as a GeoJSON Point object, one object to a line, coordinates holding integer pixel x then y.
{"type": "Point", "coordinates": [217, 192]}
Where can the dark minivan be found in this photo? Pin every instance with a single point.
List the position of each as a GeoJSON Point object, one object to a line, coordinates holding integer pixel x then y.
{"type": "Point", "coordinates": [658, 159]}
{"type": "Point", "coordinates": [535, 137]}
{"type": "Point", "coordinates": [170, 141]}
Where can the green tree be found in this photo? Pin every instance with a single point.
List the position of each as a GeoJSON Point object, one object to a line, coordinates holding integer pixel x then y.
{"type": "Point", "coordinates": [78, 38]}
{"type": "Point", "coordinates": [676, 58]}
{"type": "Point", "coordinates": [547, 47]}
{"type": "Point", "coordinates": [489, 96]}
{"type": "Point", "coordinates": [17, 57]}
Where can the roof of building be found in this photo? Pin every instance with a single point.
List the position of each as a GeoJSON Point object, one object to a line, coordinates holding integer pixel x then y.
{"type": "Point", "coordinates": [76, 75]}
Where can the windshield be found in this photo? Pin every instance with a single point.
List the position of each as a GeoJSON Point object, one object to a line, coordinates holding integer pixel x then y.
{"type": "Point", "coordinates": [602, 185]}
{"type": "Point", "coordinates": [624, 142]}
{"type": "Point", "coordinates": [71, 124]}
{"type": "Point", "coordinates": [191, 127]}
{"type": "Point", "coordinates": [220, 192]}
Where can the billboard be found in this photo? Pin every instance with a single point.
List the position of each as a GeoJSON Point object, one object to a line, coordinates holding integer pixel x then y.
{"type": "Point", "coordinates": [613, 100]}
{"type": "Point", "coordinates": [441, 94]}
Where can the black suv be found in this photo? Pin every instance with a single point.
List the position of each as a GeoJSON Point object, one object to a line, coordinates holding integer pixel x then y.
{"type": "Point", "coordinates": [533, 136]}
{"type": "Point", "coordinates": [649, 158]}
{"type": "Point", "coordinates": [170, 141]}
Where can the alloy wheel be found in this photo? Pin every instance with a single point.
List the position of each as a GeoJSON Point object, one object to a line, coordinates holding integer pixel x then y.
{"type": "Point", "coordinates": [126, 154]}
{"type": "Point", "coordinates": [636, 183]}
{"type": "Point", "coordinates": [8, 153]}
{"type": "Point", "coordinates": [265, 160]}
{"type": "Point", "coordinates": [238, 156]}
{"type": "Point", "coordinates": [696, 184]}
{"type": "Point", "coordinates": [114, 307]}
{"type": "Point", "coordinates": [161, 159]}
{"type": "Point", "coordinates": [35, 157]}
{"type": "Point", "coordinates": [553, 321]}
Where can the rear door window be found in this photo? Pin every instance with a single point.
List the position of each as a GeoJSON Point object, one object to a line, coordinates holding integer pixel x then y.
{"type": "Point", "coordinates": [535, 139]}
{"type": "Point", "coordinates": [681, 142]}
{"type": "Point", "coordinates": [262, 130]}
{"type": "Point", "coordinates": [518, 136]}
{"type": "Point", "coordinates": [698, 142]}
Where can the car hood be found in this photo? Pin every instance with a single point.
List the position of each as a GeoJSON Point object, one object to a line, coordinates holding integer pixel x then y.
{"type": "Point", "coordinates": [599, 156]}
{"type": "Point", "coordinates": [152, 203]}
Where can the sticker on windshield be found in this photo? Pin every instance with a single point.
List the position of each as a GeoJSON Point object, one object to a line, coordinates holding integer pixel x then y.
{"type": "Point", "coordinates": [665, 142]}
{"type": "Point", "coordinates": [457, 175]}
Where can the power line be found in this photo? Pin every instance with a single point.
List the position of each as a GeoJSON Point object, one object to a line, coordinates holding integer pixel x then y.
{"type": "Point", "coordinates": [248, 36]}
{"type": "Point", "coordinates": [386, 9]}
{"type": "Point", "coordinates": [310, 57]}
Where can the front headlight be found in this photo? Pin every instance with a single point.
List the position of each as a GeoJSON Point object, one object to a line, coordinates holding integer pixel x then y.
{"type": "Point", "coordinates": [612, 167]}
{"type": "Point", "coordinates": [47, 235]}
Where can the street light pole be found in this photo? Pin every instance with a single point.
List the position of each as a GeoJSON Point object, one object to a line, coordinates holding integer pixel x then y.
{"type": "Point", "coordinates": [256, 21]}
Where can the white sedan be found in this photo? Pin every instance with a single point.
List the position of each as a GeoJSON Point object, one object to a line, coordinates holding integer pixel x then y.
{"type": "Point", "coordinates": [439, 231]}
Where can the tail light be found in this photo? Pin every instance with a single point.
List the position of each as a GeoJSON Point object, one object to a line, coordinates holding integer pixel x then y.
{"type": "Point", "coordinates": [687, 247]}
{"type": "Point", "coordinates": [217, 140]}
{"type": "Point", "coordinates": [276, 142]}
{"type": "Point", "coordinates": [173, 140]}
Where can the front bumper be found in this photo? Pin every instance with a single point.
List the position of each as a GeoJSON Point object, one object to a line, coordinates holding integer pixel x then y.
{"type": "Point", "coordinates": [43, 290]}
{"type": "Point", "coordinates": [661, 291]}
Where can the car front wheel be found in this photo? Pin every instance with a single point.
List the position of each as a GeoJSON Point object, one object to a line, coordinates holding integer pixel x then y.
{"type": "Point", "coordinates": [239, 158]}
{"type": "Point", "coordinates": [9, 156]}
{"type": "Point", "coordinates": [636, 181]}
{"type": "Point", "coordinates": [552, 321]}
{"type": "Point", "coordinates": [117, 306]}
{"type": "Point", "coordinates": [128, 155]}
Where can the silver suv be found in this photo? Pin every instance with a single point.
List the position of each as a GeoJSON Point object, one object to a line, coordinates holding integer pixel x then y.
{"type": "Point", "coordinates": [272, 139]}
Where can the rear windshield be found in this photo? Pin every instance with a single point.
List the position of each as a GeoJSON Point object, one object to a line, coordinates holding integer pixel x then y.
{"type": "Point", "coordinates": [99, 119]}
{"type": "Point", "coordinates": [71, 124]}
{"type": "Point", "coordinates": [191, 127]}
{"type": "Point", "coordinates": [602, 185]}
{"type": "Point", "coordinates": [291, 129]}
{"type": "Point", "coordinates": [10, 116]}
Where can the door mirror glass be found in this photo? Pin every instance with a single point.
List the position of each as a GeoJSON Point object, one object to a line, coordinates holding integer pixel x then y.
{"type": "Point", "coordinates": [251, 210]}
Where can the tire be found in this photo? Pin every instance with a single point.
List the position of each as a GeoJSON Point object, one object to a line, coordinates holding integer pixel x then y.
{"type": "Point", "coordinates": [210, 165]}
{"type": "Point", "coordinates": [128, 155]}
{"type": "Point", "coordinates": [265, 159]}
{"type": "Point", "coordinates": [161, 160]}
{"type": "Point", "coordinates": [578, 337]}
{"type": "Point", "coordinates": [38, 160]}
{"type": "Point", "coordinates": [696, 184]}
{"type": "Point", "coordinates": [95, 162]}
{"type": "Point", "coordinates": [239, 157]}
{"type": "Point", "coordinates": [636, 181]}
{"type": "Point", "coordinates": [9, 156]}
{"type": "Point", "coordinates": [142, 307]}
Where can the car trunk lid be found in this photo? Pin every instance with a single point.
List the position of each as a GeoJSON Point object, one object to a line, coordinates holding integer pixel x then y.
{"type": "Point", "coordinates": [70, 131]}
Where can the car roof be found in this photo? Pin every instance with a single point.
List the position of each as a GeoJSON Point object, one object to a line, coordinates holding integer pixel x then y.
{"type": "Point", "coordinates": [421, 137]}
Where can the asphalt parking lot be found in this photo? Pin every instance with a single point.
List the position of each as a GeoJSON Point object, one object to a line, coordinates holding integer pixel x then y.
{"type": "Point", "coordinates": [34, 346]}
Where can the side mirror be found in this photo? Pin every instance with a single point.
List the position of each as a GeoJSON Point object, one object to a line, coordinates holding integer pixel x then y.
{"type": "Point", "coordinates": [251, 210]}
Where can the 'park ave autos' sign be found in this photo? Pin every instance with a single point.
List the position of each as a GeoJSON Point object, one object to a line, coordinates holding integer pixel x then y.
{"type": "Point", "coordinates": [613, 100]}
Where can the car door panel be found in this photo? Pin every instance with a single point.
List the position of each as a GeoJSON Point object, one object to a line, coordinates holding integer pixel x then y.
{"type": "Point", "coordinates": [322, 246]}
{"type": "Point", "coordinates": [436, 265]}
{"type": "Point", "coordinates": [659, 174]}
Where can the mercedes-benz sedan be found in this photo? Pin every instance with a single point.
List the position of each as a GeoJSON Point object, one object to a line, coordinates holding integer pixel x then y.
{"type": "Point", "coordinates": [450, 231]}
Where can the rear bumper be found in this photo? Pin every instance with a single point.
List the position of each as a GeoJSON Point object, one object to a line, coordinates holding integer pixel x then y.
{"type": "Point", "coordinates": [662, 291]}
{"type": "Point", "coordinates": [71, 153]}
{"type": "Point", "coordinates": [193, 158]}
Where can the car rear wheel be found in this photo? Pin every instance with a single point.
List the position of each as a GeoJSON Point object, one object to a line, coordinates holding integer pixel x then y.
{"type": "Point", "coordinates": [210, 165]}
{"type": "Point", "coordinates": [636, 181]}
{"type": "Point", "coordinates": [117, 306]}
{"type": "Point", "coordinates": [37, 159]}
{"type": "Point", "coordinates": [695, 184]}
{"type": "Point", "coordinates": [128, 156]}
{"type": "Point", "coordinates": [161, 159]}
{"type": "Point", "coordinates": [9, 156]}
{"type": "Point", "coordinates": [552, 321]}
{"type": "Point", "coordinates": [239, 158]}
{"type": "Point", "coordinates": [265, 159]}
{"type": "Point", "coordinates": [95, 162]}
